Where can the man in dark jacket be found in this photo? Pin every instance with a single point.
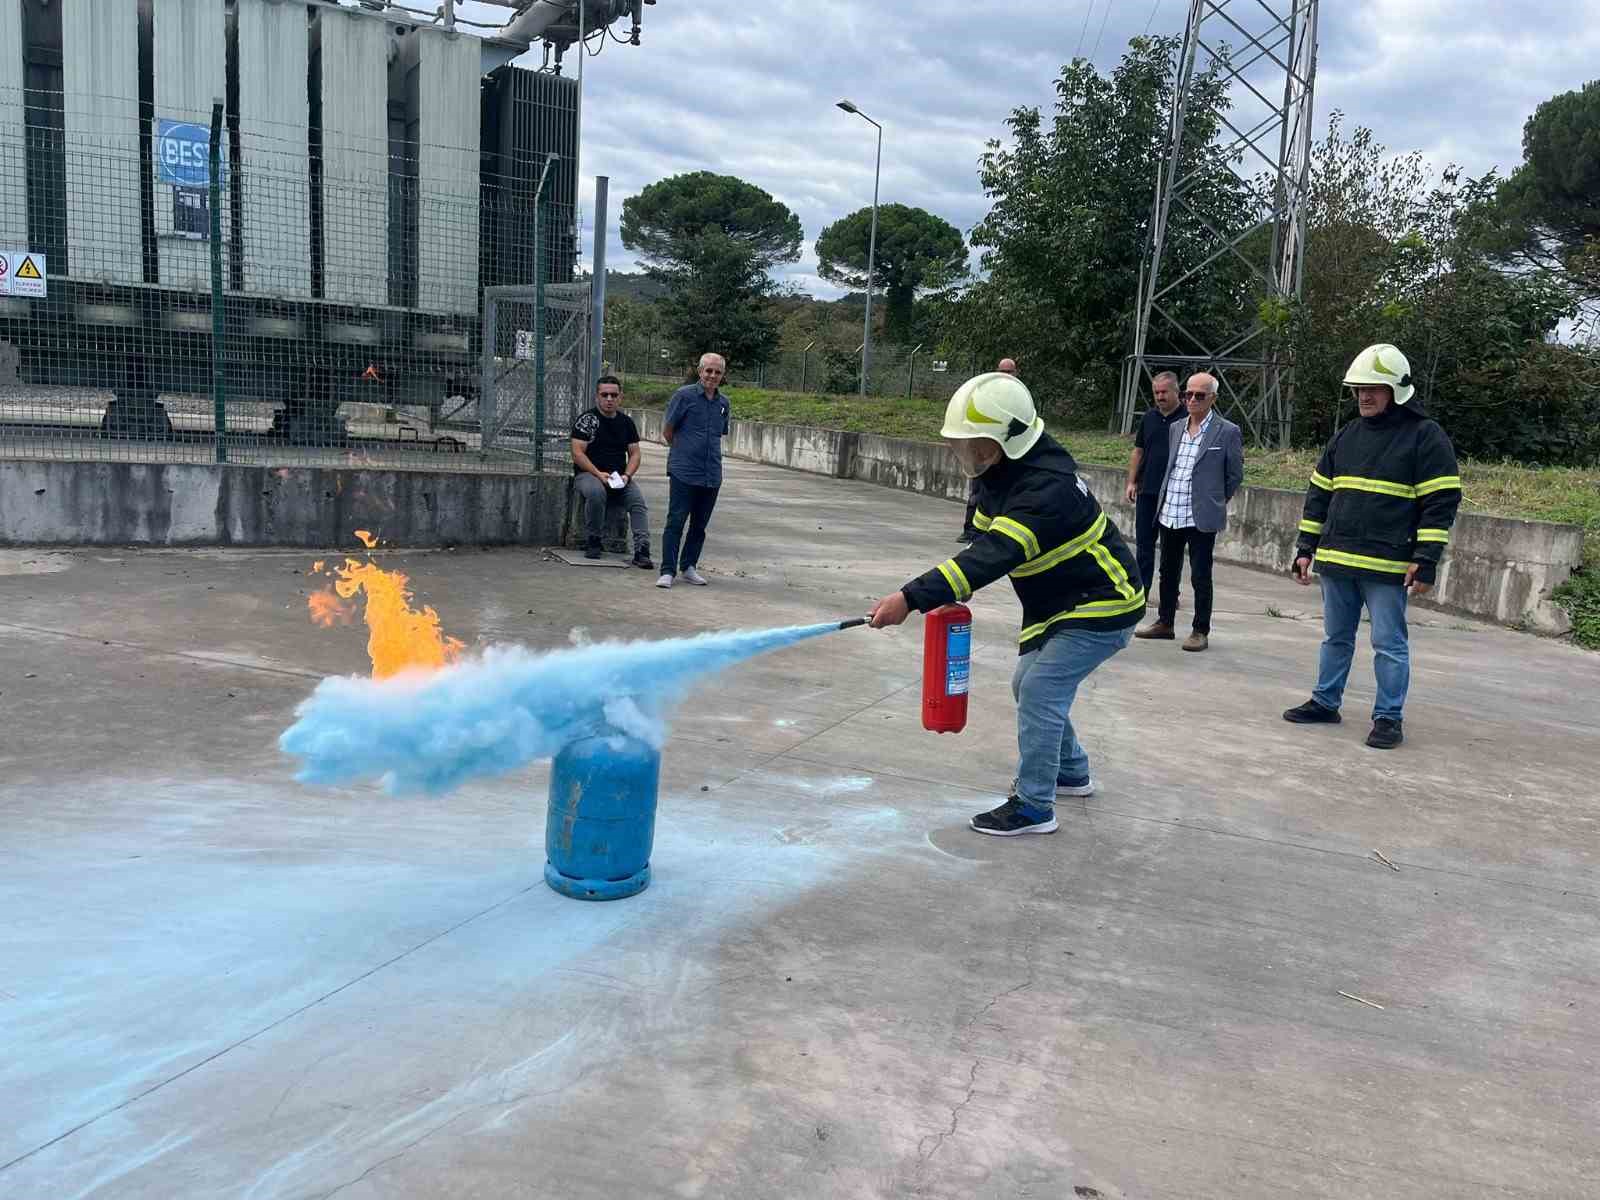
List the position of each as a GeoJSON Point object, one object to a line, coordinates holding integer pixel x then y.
{"type": "Point", "coordinates": [1079, 586]}
{"type": "Point", "coordinates": [1147, 467]}
{"type": "Point", "coordinates": [1377, 518]}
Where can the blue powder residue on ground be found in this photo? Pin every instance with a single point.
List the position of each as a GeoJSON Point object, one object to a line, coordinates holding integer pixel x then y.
{"type": "Point", "coordinates": [484, 716]}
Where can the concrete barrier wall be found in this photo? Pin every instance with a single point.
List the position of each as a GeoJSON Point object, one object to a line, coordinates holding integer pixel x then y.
{"type": "Point", "coordinates": [1495, 567]}
{"type": "Point", "coordinates": [195, 504]}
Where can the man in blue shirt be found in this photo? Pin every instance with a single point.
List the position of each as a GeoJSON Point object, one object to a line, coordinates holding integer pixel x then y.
{"type": "Point", "coordinates": [696, 423]}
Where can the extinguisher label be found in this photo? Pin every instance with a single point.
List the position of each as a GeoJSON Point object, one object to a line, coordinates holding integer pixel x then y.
{"type": "Point", "coordinates": [958, 660]}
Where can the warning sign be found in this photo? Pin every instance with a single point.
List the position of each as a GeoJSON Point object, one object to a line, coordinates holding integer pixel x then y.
{"type": "Point", "coordinates": [23, 273]}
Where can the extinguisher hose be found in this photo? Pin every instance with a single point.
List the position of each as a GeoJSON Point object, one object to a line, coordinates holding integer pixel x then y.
{"type": "Point", "coordinates": [853, 622]}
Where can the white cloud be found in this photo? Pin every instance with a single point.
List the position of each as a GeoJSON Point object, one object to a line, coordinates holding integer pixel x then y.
{"type": "Point", "coordinates": [749, 90]}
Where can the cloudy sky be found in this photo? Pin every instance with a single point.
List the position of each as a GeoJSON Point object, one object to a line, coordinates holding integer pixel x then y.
{"type": "Point", "coordinates": [747, 88]}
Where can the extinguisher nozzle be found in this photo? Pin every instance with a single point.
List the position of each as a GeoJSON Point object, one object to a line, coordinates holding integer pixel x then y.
{"type": "Point", "coordinates": [852, 623]}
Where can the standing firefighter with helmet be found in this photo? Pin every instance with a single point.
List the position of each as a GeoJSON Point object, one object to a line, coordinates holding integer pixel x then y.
{"type": "Point", "coordinates": [1377, 518]}
{"type": "Point", "coordinates": [1078, 582]}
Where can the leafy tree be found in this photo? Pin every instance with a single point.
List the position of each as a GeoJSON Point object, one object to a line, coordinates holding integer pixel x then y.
{"type": "Point", "coordinates": [1546, 216]}
{"type": "Point", "coordinates": [665, 223]}
{"type": "Point", "coordinates": [1557, 187]}
{"type": "Point", "coordinates": [916, 252]}
{"type": "Point", "coordinates": [1069, 222]}
{"type": "Point", "coordinates": [1392, 257]}
{"type": "Point", "coordinates": [711, 239]}
{"type": "Point", "coordinates": [719, 302]}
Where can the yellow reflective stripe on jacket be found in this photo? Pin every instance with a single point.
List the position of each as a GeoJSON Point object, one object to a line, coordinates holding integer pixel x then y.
{"type": "Point", "coordinates": [1433, 535]}
{"type": "Point", "coordinates": [982, 520]}
{"type": "Point", "coordinates": [1113, 569]}
{"type": "Point", "coordinates": [1340, 558]}
{"type": "Point", "coordinates": [956, 578]}
{"type": "Point", "coordinates": [1310, 526]}
{"type": "Point", "coordinates": [1381, 487]}
{"type": "Point", "coordinates": [1017, 532]}
{"type": "Point", "coordinates": [1095, 608]}
{"type": "Point", "coordinates": [1064, 551]}
{"type": "Point", "coordinates": [1385, 487]}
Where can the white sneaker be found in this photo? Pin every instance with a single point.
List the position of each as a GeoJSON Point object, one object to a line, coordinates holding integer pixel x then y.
{"type": "Point", "coordinates": [664, 582]}
{"type": "Point", "coordinates": [1086, 788]}
{"type": "Point", "coordinates": [690, 575]}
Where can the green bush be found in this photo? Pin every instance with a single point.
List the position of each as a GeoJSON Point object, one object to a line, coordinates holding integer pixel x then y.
{"type": "Point", "coordinates": [1580, 596]}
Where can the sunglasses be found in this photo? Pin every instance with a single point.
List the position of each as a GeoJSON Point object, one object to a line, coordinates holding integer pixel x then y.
{"type": "Point", "coordinates": [1196, 395]}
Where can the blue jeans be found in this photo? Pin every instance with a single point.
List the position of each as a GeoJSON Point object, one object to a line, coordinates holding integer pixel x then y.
{"type": "Point", "coordinates": [1342, 598]}
{"type": "Point", "coordinates": [1045, 685]}
{"type": "Point", "coordinates": [685, 502]}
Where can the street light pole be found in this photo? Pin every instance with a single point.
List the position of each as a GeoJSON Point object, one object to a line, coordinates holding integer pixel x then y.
{"type": "Point", "coordinates": [872, 242]}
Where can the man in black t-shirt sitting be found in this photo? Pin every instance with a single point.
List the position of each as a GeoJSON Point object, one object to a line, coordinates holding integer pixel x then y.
{"type": "Point", "coordinates": [605, 458]}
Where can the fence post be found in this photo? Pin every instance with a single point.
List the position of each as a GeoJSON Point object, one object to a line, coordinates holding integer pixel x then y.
{"type": "Point", "coordinates": [597, 289]}
{"type": "Point", "coordinates": [488, 387]}
{"type": "Point", "coordinates": [538, 316]}
{"type": "Point", "coordinates": [911, 368]}
{"type": "Point", "coordinates": [219, 396]}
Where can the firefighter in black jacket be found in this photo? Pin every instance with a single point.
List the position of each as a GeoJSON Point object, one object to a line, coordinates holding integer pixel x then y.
{"type": "Point", "coordinates": [1079, 585]}
{"type": "Point", "coordinates": [1377, 518]}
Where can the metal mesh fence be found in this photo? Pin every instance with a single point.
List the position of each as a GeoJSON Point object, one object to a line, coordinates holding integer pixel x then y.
{"type": "Point", "coordinates": [316, 301]}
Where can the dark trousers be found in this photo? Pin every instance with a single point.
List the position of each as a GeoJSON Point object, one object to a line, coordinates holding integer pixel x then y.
{"type": "Point", "coordinates": [1200, 546]}
{"type": "Point", "coordinates": [1144, 532]}
{"type": "Point", "coordinates": [686, 502]}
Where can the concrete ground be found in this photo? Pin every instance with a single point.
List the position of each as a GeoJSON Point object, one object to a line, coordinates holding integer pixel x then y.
{"type": "Point", "coordinates": [217, 983]}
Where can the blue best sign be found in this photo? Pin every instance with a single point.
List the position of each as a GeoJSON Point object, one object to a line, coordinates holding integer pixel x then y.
{"type": "Point", "coordinates": [183, 154]}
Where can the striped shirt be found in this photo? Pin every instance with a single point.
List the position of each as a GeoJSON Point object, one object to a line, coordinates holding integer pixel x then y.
{"type": "Point", "coordinates": [1178, 511]}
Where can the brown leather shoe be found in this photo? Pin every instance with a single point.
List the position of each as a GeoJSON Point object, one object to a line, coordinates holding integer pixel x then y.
{"type": "Point", "coordinates": [1196, 641]}
{"type": "Point", "coordinates": [1158, 630]}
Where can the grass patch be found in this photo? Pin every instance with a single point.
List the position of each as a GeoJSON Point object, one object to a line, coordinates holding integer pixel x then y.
{"type": "Point", "coordinates": [1580, 596]}
{"type": "Point", "coordinates": [1567, 494]}
{"type": "Point", "coordinates": [891, 416]}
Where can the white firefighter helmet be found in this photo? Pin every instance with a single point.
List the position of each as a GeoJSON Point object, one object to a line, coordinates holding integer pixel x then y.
{"type": "Point", "coordinates": [995, 406]}
{"type": "Point", "coordinates": [1383, 366]}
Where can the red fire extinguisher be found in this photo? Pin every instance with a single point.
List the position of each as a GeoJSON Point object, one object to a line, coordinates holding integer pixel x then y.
{"type": "Point", "coordinates": [946, 668]}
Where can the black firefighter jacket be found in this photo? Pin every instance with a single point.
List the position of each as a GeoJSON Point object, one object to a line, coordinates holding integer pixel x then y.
{"type": "Point", "coordinates": [1384, 495]}
{"type": "Point", "coordinates": [1039, 524]}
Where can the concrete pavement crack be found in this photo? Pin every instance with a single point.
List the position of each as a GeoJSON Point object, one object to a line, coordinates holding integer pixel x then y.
{"type": "Point", "coordinates": [297, 1081]}
{"type": "Point", "coordinates": [955, 1118]}
{"type": "Point", "coordinates": [1008, 992]}
{"type": "Point", "coordinates": [401, 1153]}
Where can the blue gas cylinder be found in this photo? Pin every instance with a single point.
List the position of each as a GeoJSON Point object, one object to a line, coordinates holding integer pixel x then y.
{"type": "Point", "coordinates": [602, 817]}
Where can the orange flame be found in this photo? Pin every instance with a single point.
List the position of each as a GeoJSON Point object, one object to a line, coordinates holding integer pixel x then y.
{"type": "Point", "coordinates": [400, 638]}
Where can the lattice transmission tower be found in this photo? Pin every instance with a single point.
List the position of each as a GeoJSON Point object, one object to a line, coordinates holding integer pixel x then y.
{"type": "Point", "coordinates": [1266, 54]}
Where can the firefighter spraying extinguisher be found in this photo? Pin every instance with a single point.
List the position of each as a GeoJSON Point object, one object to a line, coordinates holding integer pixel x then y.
{"type": "Point", "coordinates": [946, 668]}
{"type": "Point", "coordinates": [1037, 524]}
